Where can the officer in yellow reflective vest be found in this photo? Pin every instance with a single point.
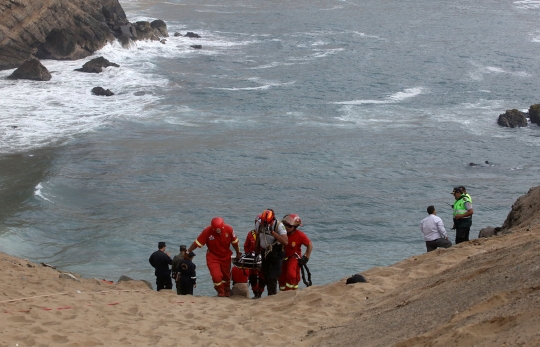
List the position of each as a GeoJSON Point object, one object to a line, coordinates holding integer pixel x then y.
{"type": "Point", "coordinates": [463, 212]}
{"type": "Point", "coordinates": [465, 193]}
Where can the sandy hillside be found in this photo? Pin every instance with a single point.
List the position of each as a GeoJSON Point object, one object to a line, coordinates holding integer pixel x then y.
{"type": "Point", "coordinates": [481, 293]}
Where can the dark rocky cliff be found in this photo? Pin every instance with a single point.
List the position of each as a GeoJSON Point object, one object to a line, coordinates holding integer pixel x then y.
{"type": "Point", "coordinates": [60, 29]}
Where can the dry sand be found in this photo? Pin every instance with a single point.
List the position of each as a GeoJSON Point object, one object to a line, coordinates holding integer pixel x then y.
{"type": "Point", "coordinates": [480, 293]}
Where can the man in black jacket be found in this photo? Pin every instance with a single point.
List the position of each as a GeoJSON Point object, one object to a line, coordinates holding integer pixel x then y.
{"type": "Point", "coordinates": [187, 275]}
{"type": "Point", "coordinates": [161, 260]}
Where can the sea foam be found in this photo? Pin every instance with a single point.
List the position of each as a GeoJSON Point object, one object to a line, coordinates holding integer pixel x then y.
{"type": "Point", "coordinates": [37, 114]}
{"type": "Point", "coordinates": [393, 98]}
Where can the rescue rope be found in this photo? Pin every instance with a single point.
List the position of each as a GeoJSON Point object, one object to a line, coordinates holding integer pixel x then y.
{"type": "Point", "coordinates": [269, 246]}
{"type": "Point", "coordinates": [308, 283]}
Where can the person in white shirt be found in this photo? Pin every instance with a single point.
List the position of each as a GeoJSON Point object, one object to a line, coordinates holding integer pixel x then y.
{"type": "Point", "coordinates": [433, 229]}
{"type": "Point", "coordinates": [271, 238]}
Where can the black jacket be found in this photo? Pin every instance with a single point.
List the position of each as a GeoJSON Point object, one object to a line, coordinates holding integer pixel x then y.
{"type": "Point", "coordinates": [160, 261]}
{"type": "Point", "coordinates": [186, 268]}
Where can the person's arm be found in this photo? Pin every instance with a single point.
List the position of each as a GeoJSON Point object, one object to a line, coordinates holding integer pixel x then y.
{"type": "Point", "coordinates": [257, 238]}
{"type": "Point", "coordinates": [283, 239]}
{"type": "Point", "coordinates": [281, 235]}
{"type": "Point", "coordinates": [194, 276]}
{"type": "Point", "coordinates": [190, 249]}
{"type": "Point", "coordinates": [308, 250]}
{"type": "Point", "coordinates": [237, 249]}
{"type": "Point", "coordinates": [469, 212]}
{"type": "Point", "coordinates": [247, 243]}
{"type": "Point", "coordinates": [441, 229]}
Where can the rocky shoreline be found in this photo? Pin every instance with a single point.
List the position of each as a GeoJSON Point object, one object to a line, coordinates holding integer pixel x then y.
{"type": "Point", "coordinates": [66, 29]}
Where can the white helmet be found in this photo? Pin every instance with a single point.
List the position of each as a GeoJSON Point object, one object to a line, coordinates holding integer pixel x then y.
{"type": "Point", "coordinates": [292, 220]}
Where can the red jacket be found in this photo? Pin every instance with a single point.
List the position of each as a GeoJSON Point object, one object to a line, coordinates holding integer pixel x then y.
{"type": "Point", "coordinates": [296, 240]}
{"type": "Point", "coordinates": [218, 244]}
{"type": "Point", "coordinates": [249, 245]}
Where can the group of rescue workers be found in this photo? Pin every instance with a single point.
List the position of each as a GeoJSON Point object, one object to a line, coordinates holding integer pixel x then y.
{"type": "Point", "coordinates": [277, 243]}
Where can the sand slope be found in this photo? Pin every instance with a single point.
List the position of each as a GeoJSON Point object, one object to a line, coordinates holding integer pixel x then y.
{"type": "Point", "coordinates": [482, 293]}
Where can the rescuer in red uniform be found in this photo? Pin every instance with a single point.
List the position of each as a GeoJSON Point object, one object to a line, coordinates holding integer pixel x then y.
{"type": "Point", "coordinates": [256, 278]}
{"type": "Point", "coordinates": [218, 237]}
{"type": "Point", "coordinates": [290, 274]}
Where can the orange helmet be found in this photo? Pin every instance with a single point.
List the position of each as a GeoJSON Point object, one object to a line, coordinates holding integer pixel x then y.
{"type": "Point", "coordinates": [268, 216]}
{"type": "Point", "coordinates": [217, 223]}
{"type": "Point", "coordinates": [292, 219]}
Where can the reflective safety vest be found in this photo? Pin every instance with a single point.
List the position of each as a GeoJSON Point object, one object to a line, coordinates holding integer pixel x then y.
{"type": "Point", "coordinates": [459, 208]}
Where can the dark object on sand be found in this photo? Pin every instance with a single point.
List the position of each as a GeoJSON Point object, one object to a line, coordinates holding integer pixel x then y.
{"type": "Point", "coordinates": [356, 279]}
{"type": "Point", "coordinates": [47, 265]}
{"type": "Point", "coordinates": [489, 232]}
{"type": "Point", "coordinates": [196, 46]}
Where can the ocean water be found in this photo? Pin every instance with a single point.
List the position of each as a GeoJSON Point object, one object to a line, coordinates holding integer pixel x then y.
{"type": "Point", "coordinates": [356, 115]}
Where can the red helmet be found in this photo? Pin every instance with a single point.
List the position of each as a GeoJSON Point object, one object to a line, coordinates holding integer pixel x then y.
{"type": "Point", "coordinates": [292, 219]}
{"type": "Point", "coordinates": [267, 216]}
{"type": "Point", "coordinates": [217, 223]}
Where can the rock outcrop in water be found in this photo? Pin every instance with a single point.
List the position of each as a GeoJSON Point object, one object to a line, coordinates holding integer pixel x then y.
{"type": "Point", "coordinates": [100, 91]}
{"type": "Point", "coordinates": [65, 29]}
{"type": "Point", "coordinates": [96, 65]}
{"type": "Point", "coordinates": [534, 114]}
{"type": "Point", "coordinates": [512, 119]}
{"type": "Point", "coordinates": [31, 70]}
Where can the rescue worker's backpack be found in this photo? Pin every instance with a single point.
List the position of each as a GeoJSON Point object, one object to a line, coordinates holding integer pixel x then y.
{"type": "Point", "coordinates": [175, 268]}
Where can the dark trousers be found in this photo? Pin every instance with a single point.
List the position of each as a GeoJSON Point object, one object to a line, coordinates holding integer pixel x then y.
{"type": "Point", "coordinates": [163, 282]}
{"type": "Point", "coordinates": [462, 234]}
{"type": "Point", "coordinates": [257, 282]}
{"type": "Point", "coordinates": [271, 268]}
{"type": "Point", "coordinates": [184, 286]}
{"type": "Point", "coordinates": [433, 245]}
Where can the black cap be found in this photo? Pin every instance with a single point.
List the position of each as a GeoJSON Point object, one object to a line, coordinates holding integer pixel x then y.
{"type": "Point", "coordinates": [161, 244]}
{"type": "Point", "coordinates": [457, 189]}
{"type": "Point", "coordinates": [191, 254]}
{"type": "Point", "coordinates": [183, 248]}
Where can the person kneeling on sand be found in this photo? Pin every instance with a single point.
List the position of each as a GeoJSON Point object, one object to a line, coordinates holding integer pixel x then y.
{"type": "Point", "coordinates": [433, 229]}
